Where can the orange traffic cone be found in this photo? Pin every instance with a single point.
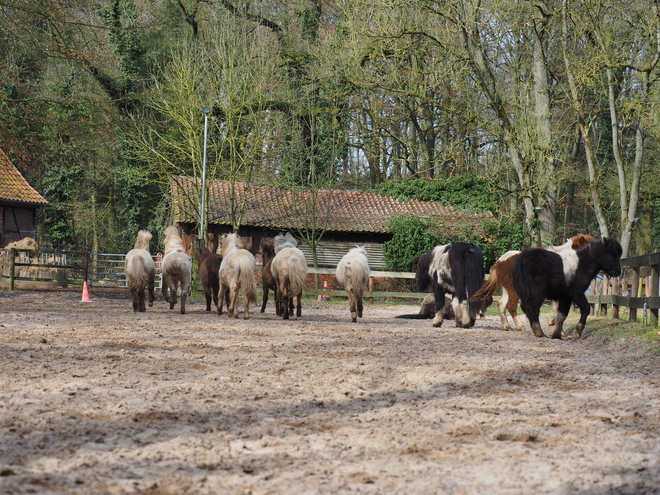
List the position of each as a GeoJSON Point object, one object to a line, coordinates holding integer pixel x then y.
{"type": "Point", "coordinates": [85, 294]}
{"type": "Point", "coordinates": [325, 287]}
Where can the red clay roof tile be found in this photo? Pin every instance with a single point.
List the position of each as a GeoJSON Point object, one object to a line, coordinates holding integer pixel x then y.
{"type": "Point", "coordinates": [280, 209]}
{"type": "Point", "coordinates": [13, 186]}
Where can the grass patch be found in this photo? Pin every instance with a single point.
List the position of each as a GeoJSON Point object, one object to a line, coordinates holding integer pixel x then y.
{"type": "Point", "coordinates": [611, 330]}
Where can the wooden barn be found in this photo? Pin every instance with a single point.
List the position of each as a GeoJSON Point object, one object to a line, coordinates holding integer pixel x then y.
{"type": "Point", "coordinates": [19, 204]}
{"type": "Point", "coordinates": [347, 217]}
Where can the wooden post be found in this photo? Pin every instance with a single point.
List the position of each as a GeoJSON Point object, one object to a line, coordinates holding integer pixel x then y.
{"type": "Point", "coordinates": [12, 265]}
{"type": "Point", "coordinates": [604, 290]}
{"type": "Point", "coordinates": [617, 292]}
{"type": "Point", "coordinates": [634, 292]}
{"type": "Point", "coordinates": [371, 289]}
{"type": "Point", "coordinates": [655, 276]}
{"type": "Point", "coordinates": [86, 267]}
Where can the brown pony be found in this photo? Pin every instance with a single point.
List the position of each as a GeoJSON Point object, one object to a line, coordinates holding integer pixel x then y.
{"type": "Point", "coordinates": [501, 275]}
{"type": "Point", "coordinates": [209, 264]}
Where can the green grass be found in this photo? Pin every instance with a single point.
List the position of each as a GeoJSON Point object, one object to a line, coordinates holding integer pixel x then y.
{"type": "Point", "coordinates": [611, 330]}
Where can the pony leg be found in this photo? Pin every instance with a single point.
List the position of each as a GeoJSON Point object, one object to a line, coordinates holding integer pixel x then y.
{"type": "Point", "coordinates": [555, 308]}
{"type": "Point", "coordinates": [265, 300]}
{"type": "Point", "coordinates": [561, 313]}
{"type": "Point", "coordinates": [208, 295]}
{"type": "Point", "coordinates": [165, 289]}
{"type": "Point", "coordinates": [286, 302]}
{"type": "Point", "coordinates": [439, 307]}
{"type": "Point", "coordinates": [184, 295]}
{"type": "Point", "coordinates": [501, 308]}
{"type": "Point", "coordinates": [512, 306]}
{"type": "Point", "coordinates": [532, 311]}
{"type": "Point", "coordinates": [581, 302]}
{"type": "Point", "coordinates": [246, 310]}
{"type": "Point", "coordinates": [141, 307]}
{"type": "Point", "coordinates": [360, 304]}
{"type": "Point", "coordinates": [299, 306]}
{"type": "Point", "coordinates": [352, 305]}
{"type": "Point", "coordinates": [232, 311]}
{"type": "Point", "coordinates": [152, 297]}
{"type": "Point", "coordinates": [221, 298]}
{"type": "Point", "coordinates": [134, 295]}
{"type": "Point", "coordinates": [173, 291]}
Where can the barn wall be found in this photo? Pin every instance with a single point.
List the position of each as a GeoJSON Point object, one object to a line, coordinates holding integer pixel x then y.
{"type": "Point", "coordinates": [331, 249]}
{"type": "Point", "coordinates": [16, 223]}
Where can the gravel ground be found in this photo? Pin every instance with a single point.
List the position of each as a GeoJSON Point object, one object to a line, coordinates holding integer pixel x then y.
{"type": "Point", "coordinates": [96, 399]}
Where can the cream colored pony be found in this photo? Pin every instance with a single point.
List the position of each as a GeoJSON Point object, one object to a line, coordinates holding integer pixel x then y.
{"type": "Point", "coordinates": [176, 268]}
{"type": "Point", "coordinates": [236, 272]}
{"type": "Point", "coordinates": [353, 273]}
{"type": "Point", "coordinates": [289, 269]}
{"type": "Point", "coordinates": [140, 271]}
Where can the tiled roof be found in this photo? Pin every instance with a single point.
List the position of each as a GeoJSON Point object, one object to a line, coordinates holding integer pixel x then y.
{"type": "Point", "coordinates": [13, 186]}
{"type": "Point", "coordinates": [280, 209]}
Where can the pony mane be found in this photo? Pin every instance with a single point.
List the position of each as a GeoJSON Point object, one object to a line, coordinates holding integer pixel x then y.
{"type": "Point", "coordinates": [173, 241]}
{"type": "Point", "coordinates": [285, 241]}
{"type": "Point", "coordinates": [581, 240]}
{"type": "Point", "coordinates": [229, 242]}
{"type": "Point", "coordinates": [142, 241]}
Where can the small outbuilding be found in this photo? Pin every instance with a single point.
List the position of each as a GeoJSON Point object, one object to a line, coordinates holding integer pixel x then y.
{"type": "Point", "coordinates": [345, 217]}
{"type": "Point", "coordinates": [19, 204]}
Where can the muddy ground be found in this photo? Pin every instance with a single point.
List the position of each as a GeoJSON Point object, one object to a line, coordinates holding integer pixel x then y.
{"type": "Point", "coordinates": [95, 399]}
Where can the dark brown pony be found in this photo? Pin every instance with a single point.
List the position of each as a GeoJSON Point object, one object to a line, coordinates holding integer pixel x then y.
{"type": "Point", "coordinates": [562, 276]}
{"type": "Point", "coordinates": [209, 264]}
{"type": "Point", "coordinates": [267, 280]}
{"type": "Point", "coordinates": [501, 275]}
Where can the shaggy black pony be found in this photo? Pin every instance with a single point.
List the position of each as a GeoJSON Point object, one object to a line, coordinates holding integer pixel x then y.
{"type": "Point", "coordinates": [457, 269]}
{"type": "Point", "coordinates": [539, 274]}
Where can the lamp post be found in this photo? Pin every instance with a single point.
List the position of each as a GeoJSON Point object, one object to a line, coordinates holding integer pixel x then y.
{"type": "Point", "coordinates": [202, 209]}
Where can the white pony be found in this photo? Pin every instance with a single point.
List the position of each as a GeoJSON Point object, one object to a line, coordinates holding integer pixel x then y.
{"type": "Point", "coordinates": [289, 269]}
{"type": "Point", "coordinates": [236, 272]}
{"type": "Point", "coordinates": [140, 271]}
{"type": "Point", "coordinates": [176, 268]}
{"type": "Point", "coordinates": [353, 273]}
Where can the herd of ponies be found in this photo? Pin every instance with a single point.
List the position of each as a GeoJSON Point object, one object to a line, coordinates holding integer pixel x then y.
{"type": "Point", "coordinates": [454, 272]}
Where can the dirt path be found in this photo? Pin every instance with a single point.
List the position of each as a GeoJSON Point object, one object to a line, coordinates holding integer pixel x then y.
{"type": "Point", "coordinates": [95, 399]}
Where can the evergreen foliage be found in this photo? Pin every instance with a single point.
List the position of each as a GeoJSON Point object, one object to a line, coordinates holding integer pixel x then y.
{"type": "Point", "coordinates": [466, 192]}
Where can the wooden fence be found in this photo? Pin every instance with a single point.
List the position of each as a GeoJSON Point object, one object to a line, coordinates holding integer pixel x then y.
{"type": "Point", "coordinates": [633, 291]}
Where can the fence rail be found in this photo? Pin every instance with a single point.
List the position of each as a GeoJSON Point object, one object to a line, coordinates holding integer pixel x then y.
{"type": "Point", "coordinates": [103, 270]}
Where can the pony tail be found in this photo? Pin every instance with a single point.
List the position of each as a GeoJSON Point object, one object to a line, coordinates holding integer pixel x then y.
{"type": "Point", "coordinates": [488, 289]}
{"type": "Point", "coordinates": [474, 278]}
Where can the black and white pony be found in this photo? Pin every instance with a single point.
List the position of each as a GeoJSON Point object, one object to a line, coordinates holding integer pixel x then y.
{"type": "Point", "coordinates": [539, 275]}
{"type": "Point", "coordinates": [457, 269]}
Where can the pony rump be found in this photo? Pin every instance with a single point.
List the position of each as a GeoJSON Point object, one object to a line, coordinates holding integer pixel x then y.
{"type": "Point", "coordinates": [289, 269]}
{"type": "Point", "coordinates": [236, 272]}
{"type": "Point", "coordinates": [353, 273]}
{"type": "Point", "coordinates": [176, 269]}
{"type": "Point", "coordinates": [140, 271]}
{"type": "Point", "coordinates": [469, 258]}
{"type": "Point", "coordinates": [457, 269]}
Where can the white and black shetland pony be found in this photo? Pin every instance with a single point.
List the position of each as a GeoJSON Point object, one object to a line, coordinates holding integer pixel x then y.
{"type": "Point", "coordinates": [457, 269]}
{"type": "Point", "coordinates": [539, 275]}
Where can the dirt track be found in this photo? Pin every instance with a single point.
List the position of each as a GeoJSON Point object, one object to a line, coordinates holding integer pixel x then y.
{"type": "Point", "coordinates": [95, 399]}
